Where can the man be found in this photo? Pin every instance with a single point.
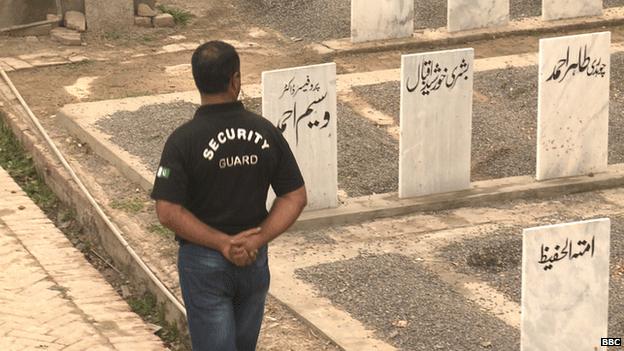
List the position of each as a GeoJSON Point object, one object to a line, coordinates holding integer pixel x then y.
{"type": "Point", "coordinates": [211, 189]}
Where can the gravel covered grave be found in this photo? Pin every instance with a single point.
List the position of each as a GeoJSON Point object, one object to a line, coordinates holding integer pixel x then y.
{"type": "Point", "coordinates": [367, 155]}
{"type": "Point", "coordinates": [496, 258]}
{"type": "Point", "coordinates": [503, 136]}
{"type": "Point", "coordinates": [504, 118]}
{"type": "Point", "coordinates": [331, 19]}
{"type": "Point", "coordinates": [408, 306]}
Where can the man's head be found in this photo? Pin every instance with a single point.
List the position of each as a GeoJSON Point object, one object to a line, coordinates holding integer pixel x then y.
{"type": "Point", "coordinates": [216, 69]}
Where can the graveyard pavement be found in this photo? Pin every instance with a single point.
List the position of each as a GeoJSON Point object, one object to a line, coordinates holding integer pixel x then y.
{"type": "Point", "coordinates": [51, 298]}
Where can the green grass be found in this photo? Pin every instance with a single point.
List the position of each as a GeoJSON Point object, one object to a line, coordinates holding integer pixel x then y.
{"type": "Point", "coordinates": [132, 205]}
{"type": "Point", "coordinates": [20, 166]}
{"type": "Point", "coordinates": [112, 35]}
{"type": "Point", "coordinates": [160, 230]}
{"type": "Point", "coordinates": [181, 17]}
{"type": "Point", "coordinates": [150, 310]}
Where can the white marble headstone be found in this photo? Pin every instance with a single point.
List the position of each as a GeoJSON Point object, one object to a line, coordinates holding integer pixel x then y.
{"type": "Point", "coordinates": [565, 286]}
{"type": "Point", "coordinates": [302, 103]}
{"type": "Point", "coordinates": [436, 122]}
{"type": "Point", "coordinates": [559, 9]}
{"type": "Point", "coordinates": [473, 14]}
{"type": "Point", "coordinates": [573, 105]}
{"type": "Point", "coordinates": [381, 19]}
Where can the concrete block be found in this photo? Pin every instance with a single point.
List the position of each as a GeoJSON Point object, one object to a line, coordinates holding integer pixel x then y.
{"type": "Point", "coordinates": [573, 105]}
{"type": "Point", "coordinates": [436, 122]}
{"type": "Point", "coordinates": [144, 10]}
{"type": "Point", "coordinates": [164, 20]}
{"type": "Point", "coordinates": [75, 20]}
{"type": "Point", "coordinates": [143, 21]}
{"type": "Point", "coordinates": [565, 286]}
{"type": "Point", "coordinates": [111, 15]}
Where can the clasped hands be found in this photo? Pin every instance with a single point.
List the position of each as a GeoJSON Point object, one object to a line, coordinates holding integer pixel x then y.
{"type": "Point", "coordinates": [242, 248]}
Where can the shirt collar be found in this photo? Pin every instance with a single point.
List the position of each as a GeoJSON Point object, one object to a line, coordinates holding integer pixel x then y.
{"type": "Point", "coordinates": [219, 108]}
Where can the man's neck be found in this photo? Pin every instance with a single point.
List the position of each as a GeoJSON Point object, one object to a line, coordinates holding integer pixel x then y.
{"type": "Point", "coordinates": [216, 99]}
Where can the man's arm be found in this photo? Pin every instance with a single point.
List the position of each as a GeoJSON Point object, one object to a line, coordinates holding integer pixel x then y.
{"type": "Point", "coordinates": [190, 228]}
{"type": "Point", "coordinates": [284, 212]}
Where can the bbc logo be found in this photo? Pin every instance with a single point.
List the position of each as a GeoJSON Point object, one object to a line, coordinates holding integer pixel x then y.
{"type": "Point", "coordinates": [610, 341]}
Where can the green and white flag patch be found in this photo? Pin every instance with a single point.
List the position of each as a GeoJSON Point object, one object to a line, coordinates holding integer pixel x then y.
{"type": "Point", "coordinates": [163, 172]}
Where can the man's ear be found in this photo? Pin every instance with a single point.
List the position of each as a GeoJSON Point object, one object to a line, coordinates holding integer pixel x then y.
{"type": "Point", "coordinates": [235, 83]}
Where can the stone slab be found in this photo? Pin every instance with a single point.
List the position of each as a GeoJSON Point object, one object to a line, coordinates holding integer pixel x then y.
{"type": "Point", "coordinates": [436, 122]}
{"type": "Point", "coordinates": [565, 286]}
{"type": "Point", "coordinates": [66, 36]}
{"type": "Point", "coordinates": [111, 15]}
{"type": "Point", "coordinates": [560, 9]}
{"type": "Point", "coordinates": [573, 105]}
{"type": "Point", "coordinates": [381, 19]}
{"type": "Point", "coordinates": [474, 14]}
{"type": "Point", "coordinates": [302, 102]}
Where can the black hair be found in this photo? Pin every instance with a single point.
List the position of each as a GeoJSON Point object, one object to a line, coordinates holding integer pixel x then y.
{"type": "Point", "coordinates": [214, 64]}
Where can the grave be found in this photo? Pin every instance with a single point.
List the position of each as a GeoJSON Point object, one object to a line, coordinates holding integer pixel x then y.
{"type": "Point", "coordinates": [560, 9]}
{"type": "Point", "coordinates": [112, 15]}
{"type": "Point", "coordinates": [436, 118]}
{"type": "Point", "coordinates": [302, 103]}
{"type": "Point", "coordinates": [573, 105]}
{"type": "Point", "coordinates": [565, 286]}
{"type": "Point", "coordinates": [473, 14]}
{"type": "Point", "coordinates": [387, 19]}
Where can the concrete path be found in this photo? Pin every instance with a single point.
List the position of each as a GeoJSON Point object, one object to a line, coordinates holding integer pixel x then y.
{"type": "Point", "coordinates": [51, 298]}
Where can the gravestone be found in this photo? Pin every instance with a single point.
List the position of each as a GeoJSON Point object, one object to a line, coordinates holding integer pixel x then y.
{"type": "Point", "coordinates": [473, 14]}
{"type": "Point", "coordinates": [302, 103]}
{"type": "Point", "coordinates": [436, 122]}
{"type": "Point", "coordinates": [381, 19]}
{"type": "Point", "coordinates": [565, 286]}
{"type": "Point", "coordinates": [559, 9]}
{"type": "Point", "coordinates": [573, 105]}
{"type": "Point", "coordinates": [110, 15]}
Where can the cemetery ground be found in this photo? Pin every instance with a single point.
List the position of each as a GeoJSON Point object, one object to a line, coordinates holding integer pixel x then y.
{"type": "Point", "coordinates": [444, 280]}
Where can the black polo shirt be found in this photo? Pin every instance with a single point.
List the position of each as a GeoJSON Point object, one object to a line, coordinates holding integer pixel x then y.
{"type": "Point", "coordinates": [219, 166]}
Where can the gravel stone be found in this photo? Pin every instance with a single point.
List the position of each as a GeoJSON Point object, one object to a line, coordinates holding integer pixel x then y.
{"type": "Point", "coordinates": [317, 20]}
{"type": "Point", "coordinates": [360, 143]}
{"type": "Point", "coordinates": [496, 258]}
{"type": "Point", "coordinates": [387, 291]}
{"type": "Point", "coordinates": [143, 132]}
{"type": "Point", "coordinates": [368, 157]}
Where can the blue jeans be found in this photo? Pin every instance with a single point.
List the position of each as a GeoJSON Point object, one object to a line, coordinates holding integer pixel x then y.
{"type": "Point", "coordinates": [224, 303]}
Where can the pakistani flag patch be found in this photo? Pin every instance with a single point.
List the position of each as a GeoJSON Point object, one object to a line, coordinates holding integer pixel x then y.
{"type": "Point", "coordinates": [163, 172]}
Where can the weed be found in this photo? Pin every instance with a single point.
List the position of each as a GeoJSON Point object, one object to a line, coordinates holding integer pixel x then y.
{"type": "Point", "coordinates": [112, 35]}
{"type": "Point", "coordinates": [181, 17]}
{"type": "Point", "coordinates": [20, 166]}
{"type": "Point", "coordinates": [147, 307]}
{"type": "Point", "coordinates": [132, 205]}
{"type": "Point", "coordinates": [161, 230]}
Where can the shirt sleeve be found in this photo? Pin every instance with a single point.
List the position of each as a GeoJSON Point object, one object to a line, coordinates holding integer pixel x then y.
{"type": "Point", "coordinates": [171, 183]}
{"type": "Point", "coordinates": [287, 176]}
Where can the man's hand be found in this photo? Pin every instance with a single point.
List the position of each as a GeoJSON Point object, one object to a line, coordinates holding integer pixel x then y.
{"type": "Point", "coordinates": [239, 251]}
